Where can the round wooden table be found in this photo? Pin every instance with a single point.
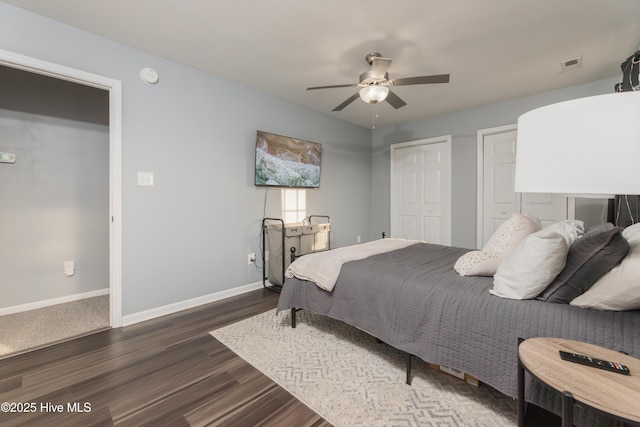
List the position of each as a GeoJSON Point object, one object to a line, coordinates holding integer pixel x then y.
{"type": "Point", "coordinates": [609, 392]}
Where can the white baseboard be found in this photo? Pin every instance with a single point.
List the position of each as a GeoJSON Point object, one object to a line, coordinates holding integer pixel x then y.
{"type": "Point", "coordinates": [141, 316]}
{"type": "Point", "coordinates": [53, 301]}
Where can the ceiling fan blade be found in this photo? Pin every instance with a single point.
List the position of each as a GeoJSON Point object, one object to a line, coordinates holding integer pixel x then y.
{"type": "Point", "coordinates": [332, 86]}
{"type": "Point", "coordinates": [347, 102]}
{"type": "Point", "coordinates": [379, 67]}
{"type": "Point", "coordinates": [395, 101]}
{"type": "Point", "coordinates": [439, 78]}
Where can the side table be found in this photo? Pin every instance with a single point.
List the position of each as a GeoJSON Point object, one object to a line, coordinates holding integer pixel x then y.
{"type": "Point", "coordinates": [608, 392]}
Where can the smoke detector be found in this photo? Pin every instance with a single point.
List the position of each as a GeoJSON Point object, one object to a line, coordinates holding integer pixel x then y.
{"type": "Point", "coordinates": [149, 76]}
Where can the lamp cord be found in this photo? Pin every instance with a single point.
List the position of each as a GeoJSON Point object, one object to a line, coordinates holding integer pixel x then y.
{"type": "Point", "coordinates": [631, 218]}
{"type": "Point", "coordinates": [626, 199]}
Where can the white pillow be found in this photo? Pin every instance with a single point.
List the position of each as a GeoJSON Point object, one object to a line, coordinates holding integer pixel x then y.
{"type": "Point", "coordinates": [619, 289]}
{"type": "Point", "coordinates": [476, 263]}
{"type": "Point", "coordinates": [510, 233]}
{"type": "Point", "coordinates": [538, 259]}
{"type": "Point", "coordinates": [503, 241]}
{"type": "Point", "coordinates": [632, 233]}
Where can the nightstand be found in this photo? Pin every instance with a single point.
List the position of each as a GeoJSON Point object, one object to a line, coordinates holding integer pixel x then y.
{"type": "Point", "coordinates": [611, 393]}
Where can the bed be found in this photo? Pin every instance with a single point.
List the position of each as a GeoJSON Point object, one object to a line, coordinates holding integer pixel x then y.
{"type": "Point", "coordinates": [412, 299]}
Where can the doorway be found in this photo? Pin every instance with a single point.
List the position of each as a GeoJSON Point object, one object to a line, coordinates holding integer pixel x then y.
{"type": "Point", "coordinates": [421, 190]}
{"type": "Point", "coordinates": [112, 216]}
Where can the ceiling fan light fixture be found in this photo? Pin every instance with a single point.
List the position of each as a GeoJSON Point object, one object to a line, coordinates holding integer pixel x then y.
{"type": "Point", "coordinates": [373, 94]}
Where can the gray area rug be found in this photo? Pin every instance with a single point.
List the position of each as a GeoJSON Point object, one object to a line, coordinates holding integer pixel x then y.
{"type": "Point", "coordinates": [36, 328]}
{"type": "Point", "coordinates": [350, 379]}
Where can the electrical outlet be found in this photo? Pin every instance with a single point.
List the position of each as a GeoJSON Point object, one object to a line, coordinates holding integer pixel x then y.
{"type": "Point", "coordinates": [251, 258]}
{"type": "Point", "coordinates": [69, 268]}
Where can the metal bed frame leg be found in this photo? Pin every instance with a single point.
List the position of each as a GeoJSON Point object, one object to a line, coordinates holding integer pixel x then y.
{"type": "Point", "coordinates": [407, 361]}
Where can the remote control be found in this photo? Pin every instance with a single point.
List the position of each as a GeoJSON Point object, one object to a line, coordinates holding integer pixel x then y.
{"type": "Point", "coordinates": [596, 363]}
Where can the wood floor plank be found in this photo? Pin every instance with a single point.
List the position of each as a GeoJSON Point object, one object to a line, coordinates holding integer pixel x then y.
{"type": "Point", "coordinates": [273, 407]}
{"type": "Point", "coordinates": [11, 383]}
{"type": "Point", "coordinates": [167, 371]}
{"type": "Point", "coordinates": [170, 409]}
{"type": "Point", "coordinates": [243, 397]}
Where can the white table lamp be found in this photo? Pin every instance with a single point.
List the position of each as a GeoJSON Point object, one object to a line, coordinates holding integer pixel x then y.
{"type": "Point", "coordinates": [586, 147]}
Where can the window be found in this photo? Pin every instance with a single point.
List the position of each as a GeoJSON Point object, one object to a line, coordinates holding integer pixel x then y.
{"type": "Point", "coordinates": [294, 205]}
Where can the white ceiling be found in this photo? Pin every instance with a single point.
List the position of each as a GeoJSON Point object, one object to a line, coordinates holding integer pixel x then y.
{"type": "Point", "coordinates": [493, 49]}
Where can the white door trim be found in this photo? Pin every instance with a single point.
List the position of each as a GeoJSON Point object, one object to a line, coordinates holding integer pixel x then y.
{"type": "Point", "coordinates": [114, 87]}
{"type": "Point", "coordinates": [446, 139]}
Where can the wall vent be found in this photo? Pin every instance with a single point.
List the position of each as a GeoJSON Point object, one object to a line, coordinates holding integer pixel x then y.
{"type": "Point", "coordinates": [571, 64]}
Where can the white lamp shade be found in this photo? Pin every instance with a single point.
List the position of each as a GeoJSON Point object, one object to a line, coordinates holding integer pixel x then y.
{"type": "Point", "coordinates": [373, 94]}
{"type": "Point", "coordinates": [586, 147]}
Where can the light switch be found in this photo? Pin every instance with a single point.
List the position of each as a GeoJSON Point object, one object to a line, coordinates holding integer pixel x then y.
{"type": "Point", "coordinates": [145, 178]}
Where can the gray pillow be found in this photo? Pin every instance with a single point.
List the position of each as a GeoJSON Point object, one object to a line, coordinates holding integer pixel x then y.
{"type": "Point", "coordinates": [588, 259]}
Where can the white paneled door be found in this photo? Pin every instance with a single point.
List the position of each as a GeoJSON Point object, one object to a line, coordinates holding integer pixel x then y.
{"type": "Point", "coordinates": [499, 172]}
{"type": "Point", "coordinates": [421, 190]}
{"type": "Point", "coordinates": [497, 200]}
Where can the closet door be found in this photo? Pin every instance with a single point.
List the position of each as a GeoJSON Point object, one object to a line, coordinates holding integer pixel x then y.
{"type": "Point", "coordinates": [497, 200]}
{"type": "Point", "coordinates": [433, 176]}
{"type": "Point", "coordinates": [421, 188]}
{"type": "Point", "coordinates": [549, 208]}
{"type": "Point", "coordinates": [500, 201]}
{"type": "Point", "coordinates": [407, 173]}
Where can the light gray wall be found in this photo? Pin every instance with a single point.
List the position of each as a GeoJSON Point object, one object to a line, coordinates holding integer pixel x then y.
{"type": "Point", "coordinates": [55, 198]}
{"type": "Point", "coordinates": [54, 208]}
{"type": "Point", "coordinates": [463, 126]}
{"type": "Point", "coordinates": [189, 235]}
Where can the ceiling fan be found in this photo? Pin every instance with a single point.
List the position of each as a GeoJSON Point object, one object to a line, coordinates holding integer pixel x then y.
{"type": "Point", "coordinates": [374, 84]}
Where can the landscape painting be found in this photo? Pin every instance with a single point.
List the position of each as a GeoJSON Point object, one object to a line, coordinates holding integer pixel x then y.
{"type": "Point", "coordinates": [283, 161]}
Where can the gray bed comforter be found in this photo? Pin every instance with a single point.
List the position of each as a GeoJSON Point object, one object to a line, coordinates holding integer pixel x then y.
{"type": "Point", "coordinates": [414, 300]}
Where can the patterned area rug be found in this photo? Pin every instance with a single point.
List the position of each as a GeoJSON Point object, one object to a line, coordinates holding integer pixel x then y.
{"type": "Point", "coordinates": [350, 379]}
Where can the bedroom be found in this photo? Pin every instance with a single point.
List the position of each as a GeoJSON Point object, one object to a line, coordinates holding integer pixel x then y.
{"type": "Point", "coordinates": [202, 120]}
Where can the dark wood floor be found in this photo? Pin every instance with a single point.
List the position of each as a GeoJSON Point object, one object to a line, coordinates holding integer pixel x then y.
{"type": "Point", "coordinates": [164, 372]}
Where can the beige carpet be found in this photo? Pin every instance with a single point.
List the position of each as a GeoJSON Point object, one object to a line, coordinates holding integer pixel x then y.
{"type": "Point", "coordinates": [352, 380]}
{"type": "Point", "coordinates": [35, 328]}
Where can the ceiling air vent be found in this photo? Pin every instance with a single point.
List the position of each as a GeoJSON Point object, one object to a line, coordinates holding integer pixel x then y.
{"type": "Point", "coordinates": [571, 64]}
